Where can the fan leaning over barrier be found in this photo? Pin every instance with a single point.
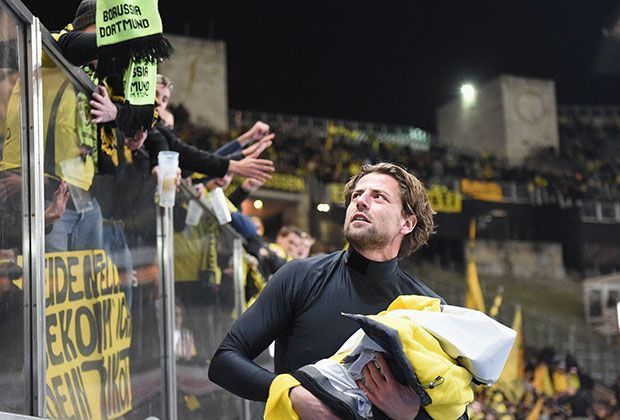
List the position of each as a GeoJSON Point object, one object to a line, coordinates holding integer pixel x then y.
{"type": "Point", "coordinates": [130, 43]}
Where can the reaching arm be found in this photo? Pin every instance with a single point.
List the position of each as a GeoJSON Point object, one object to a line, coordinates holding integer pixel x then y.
{"type": "Point", "coordinates": [79, 48]}
{"type": "Point", "coordinates": [232, 367]}
{"type": "Point", "coordinates": [230, 148]}
{"type": "Point", "coordinates": [190, 157]}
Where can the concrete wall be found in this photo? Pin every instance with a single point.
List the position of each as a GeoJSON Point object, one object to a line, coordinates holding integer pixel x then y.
{"type": "Point", "coordinates": [199, 73]}
{"type": "Point", "coordinates": [476, 127]}
{"type": "Point", "coordinates": [519, 259]}
{"type": "Point", "coordinates": [530, 114]}
{"type": "Point", "coordinates": [510, 117]}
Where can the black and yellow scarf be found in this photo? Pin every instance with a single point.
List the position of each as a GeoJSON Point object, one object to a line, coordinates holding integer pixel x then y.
{"type": "Point", "coordinates": [130, 43]}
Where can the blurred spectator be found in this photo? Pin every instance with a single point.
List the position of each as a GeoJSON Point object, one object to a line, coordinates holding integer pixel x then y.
{"type": "Point", "coordinates": [303, 250]}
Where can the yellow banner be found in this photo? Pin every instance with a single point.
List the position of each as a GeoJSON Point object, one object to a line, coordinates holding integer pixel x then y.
{"type": "Point", "coordinates": [445, 201]}
{"type": "Point", "coordinates": [286, 182]}
{"type": "Point", "coordinates": [486, 191]}
{"type": "Point", "coordinates": [338, 130]}
{"type": "Point", "coordinates": [88, 329]}
{"type": "Point", "coordinates": [336, 192]}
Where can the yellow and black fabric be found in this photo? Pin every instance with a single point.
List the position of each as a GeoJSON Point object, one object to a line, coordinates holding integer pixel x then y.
{"type": "Point", "coordinates": [196, 267]}
{"type": "Point", "coordinates": [108, 144]}
{"type": "Point", "coordinates": [130, 44]}
{"type": "Point", "coordinates": [279, 251]}
{"type": "Point", "coordinates": [254, 282]}
{"type": "Point", "coordinates": [416, 359]}
{"type": "Point", "coordinates": [64, 140]}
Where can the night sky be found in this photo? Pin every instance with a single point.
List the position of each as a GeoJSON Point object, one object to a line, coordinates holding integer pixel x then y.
{"type": "Point", "coordinates": [388, 61]}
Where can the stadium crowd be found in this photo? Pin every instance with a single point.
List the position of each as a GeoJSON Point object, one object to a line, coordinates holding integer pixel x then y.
{"type": "Point", "coordinates": [553, 387]}
{"type": "Point", "coordinates": [585, 167]}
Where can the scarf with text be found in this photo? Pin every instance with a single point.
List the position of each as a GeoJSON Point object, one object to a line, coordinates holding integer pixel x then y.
{"type": "Point", "coordinates": [130, 44]}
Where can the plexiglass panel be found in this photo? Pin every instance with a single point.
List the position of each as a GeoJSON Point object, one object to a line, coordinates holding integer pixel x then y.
{"type": "Point", "coordinates": [103, 298]}
{"type": "Point", "coordinates": [12, 332]}
{"type": "Point", "coordinates": [208, 300]}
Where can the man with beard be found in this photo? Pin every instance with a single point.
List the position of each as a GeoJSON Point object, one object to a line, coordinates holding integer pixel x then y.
{"type": "Point", "coordinates": [388, 216]}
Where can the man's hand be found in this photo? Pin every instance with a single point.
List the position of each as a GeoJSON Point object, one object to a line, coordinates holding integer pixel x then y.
{"type": "Point", "coordinates": [155, 175]}
{"type": "Point", "coordinates": [137, 141]}
{"type": "Point", "coordinates": [10, 183]}
{"type": "Point", "coordinates": [102, 109]}
{"type": "Point", "coordinates": [307, 406]}
{"type": "Point", "coordinates": [250, 185]}
{"type": "Point", "coordinates": [386, 393]}
{"type": "Point", "coordinates": [199, 189]}
{"type": "Point", "coordinates": [257, 148]}
{"type": "Point", "coordinates": [251, 167]}
{"type": "Point", "coordinates": [166, 117]}
{"type": "Point", "coordinates": [57, 207]}
{"type": "Point", "coordinates": [258, 130]}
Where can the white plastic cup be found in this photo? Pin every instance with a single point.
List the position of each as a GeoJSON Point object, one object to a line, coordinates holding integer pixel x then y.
{"type": "Point", "coordinates": [220, 206]}
{"type": "Point", "coordinates": [166, 178]}
{"type": "Point", "coordinates": [82, 200]}
{"type": "Point", "coordinates": [194, 213]}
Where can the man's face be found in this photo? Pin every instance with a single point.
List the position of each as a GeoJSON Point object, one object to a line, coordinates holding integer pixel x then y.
{"type": "Point", "coordinates": [374, 216]}
{"type": "Point", "coordinates": [290, 243]}
{"type": "Point", "coordinates": [162, 97]}
{"type": "Point", "coordinates": [303, 250]}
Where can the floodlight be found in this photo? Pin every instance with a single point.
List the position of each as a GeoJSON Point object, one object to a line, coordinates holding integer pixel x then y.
{"type": "Point", "coordinates": [468, 92]}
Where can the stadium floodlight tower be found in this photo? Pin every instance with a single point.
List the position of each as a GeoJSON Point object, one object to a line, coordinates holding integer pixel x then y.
{"type": "Point", "coordinates": [468, 93]}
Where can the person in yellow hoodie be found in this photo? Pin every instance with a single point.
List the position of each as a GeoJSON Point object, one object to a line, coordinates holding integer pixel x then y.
{"type": "Point", "coordinates": [69, 157]}
{"type": "Point", "coordinates": [388, 215]}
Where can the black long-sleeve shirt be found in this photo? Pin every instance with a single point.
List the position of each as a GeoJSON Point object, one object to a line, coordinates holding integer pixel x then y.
{"type": "Point", "coordinates": [300, 308]}
{"type": "Point", "coordinates": [190, 158]}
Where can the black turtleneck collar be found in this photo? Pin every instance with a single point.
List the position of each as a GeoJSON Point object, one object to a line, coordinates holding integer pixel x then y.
{"type": "Point", "coordinates": [371, 269]}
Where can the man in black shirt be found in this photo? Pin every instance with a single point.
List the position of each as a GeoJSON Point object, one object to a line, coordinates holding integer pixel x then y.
{"type": "Point", "coordinates": [388, 216]}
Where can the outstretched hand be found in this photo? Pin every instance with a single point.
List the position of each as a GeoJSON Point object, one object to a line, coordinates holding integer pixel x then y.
{"type": "Point", "coordinates": [386, 393]}
{"type": "Point", "coordinates": [137, 140]}
{"type": "Point", "coordinates": [251, 185]}
{"type": "Point", "coordinates": [58, 205]}
{"type": "Point", "coordinates": [259, 147]}
{"type": "Point", "coordinates": [102, 109]}
{"type": "Point", "coordinates": [10, 183]}
{"type": "Point", "coordinates": [251, 167]}
{"type": "Point", "coordinates": [155, 175]}
{"type": "Point", "coordinates": [258, 130]}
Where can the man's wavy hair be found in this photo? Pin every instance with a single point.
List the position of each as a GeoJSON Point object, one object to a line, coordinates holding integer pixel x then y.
{"type": "Point", "coordinates": [414, 198]}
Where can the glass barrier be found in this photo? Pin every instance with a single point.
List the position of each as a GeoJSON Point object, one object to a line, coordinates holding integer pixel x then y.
{"type": "Point", "coordinates": [12, 332]}
{"type": "Point", "coordinates": [214, 281]}
{"type": "Point", "coordinates": [103, 299]}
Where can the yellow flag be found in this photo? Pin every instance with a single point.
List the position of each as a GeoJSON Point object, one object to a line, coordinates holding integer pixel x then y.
{"type": "Point", "coordinates": [497, 302]}
{"type": "Point", "coordinates": [542, 380]}
{"type": "Point", "coordinates": [473, 298]}
{"type": "Point", "coordinates": [536, 410]}
{"type": "Point", "coordinates": [560, 382]}
{"type": "Point", "coordinates": [511, 381]}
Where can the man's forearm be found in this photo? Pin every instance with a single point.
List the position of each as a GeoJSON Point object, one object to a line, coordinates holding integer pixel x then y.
{"type": "Point", "coordinates": [235, 372]}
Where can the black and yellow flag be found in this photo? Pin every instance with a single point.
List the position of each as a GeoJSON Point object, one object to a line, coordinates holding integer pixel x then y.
{"type": "Point", "coordinates": [511, 381]}
{"type": "Point", "coordinates": [474, 298]}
